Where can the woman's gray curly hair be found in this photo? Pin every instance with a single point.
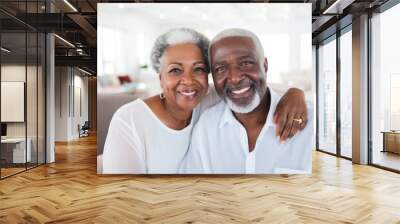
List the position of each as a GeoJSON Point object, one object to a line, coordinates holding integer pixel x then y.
{"type": "Point", "coordinates": [178, 36]}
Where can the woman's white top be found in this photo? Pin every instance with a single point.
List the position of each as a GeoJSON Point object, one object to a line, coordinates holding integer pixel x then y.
{"type": "Point", "coordinates": [138, 142]}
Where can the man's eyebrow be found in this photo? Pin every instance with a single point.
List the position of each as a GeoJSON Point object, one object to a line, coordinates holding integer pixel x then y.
{"type": "Point", "coordinates": [218, 63]}
{"type": "Point", "coordinates": [246, 56]}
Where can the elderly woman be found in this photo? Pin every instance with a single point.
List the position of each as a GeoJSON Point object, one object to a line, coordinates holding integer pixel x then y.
{"type": "Point", "coordinates": [152, 135]}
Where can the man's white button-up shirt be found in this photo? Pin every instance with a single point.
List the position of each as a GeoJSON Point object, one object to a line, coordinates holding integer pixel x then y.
{"type": "Point", "coordinates": [220, 145]}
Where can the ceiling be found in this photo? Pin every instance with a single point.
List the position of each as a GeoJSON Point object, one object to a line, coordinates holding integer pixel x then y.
{"type": "Point", "coordinates": [76, 21]}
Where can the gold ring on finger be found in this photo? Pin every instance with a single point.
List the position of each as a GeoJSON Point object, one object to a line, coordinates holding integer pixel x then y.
{"type": "Point", "coordinates": [298, 120]}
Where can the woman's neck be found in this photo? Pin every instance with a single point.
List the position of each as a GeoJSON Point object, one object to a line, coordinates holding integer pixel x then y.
{"type": "Point", "coordinates": [170, 115]}
{"type": "Point", "coordinates": [179, 118]}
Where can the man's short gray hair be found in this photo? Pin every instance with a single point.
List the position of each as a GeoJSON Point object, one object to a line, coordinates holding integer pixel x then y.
{"type": "Point", "coordinates": [237, 32]}
{"type": "Point", "coordinates": [178, 36]}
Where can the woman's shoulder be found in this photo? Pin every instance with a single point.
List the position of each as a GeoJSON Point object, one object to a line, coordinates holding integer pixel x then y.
{"type": "Point", "coordinates": [129, 109]}
{"type": "Point", "coordinates": [152, 102]}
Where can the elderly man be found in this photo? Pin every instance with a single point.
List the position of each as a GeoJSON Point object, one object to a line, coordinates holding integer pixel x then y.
{"type": "Point", "coordinates": [238, 134]}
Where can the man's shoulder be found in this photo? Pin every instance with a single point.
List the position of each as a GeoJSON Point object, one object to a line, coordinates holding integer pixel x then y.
{"type": "Point", "coordinates": [211, 116]}
{"type": "Point", "coordinates": [215, 111]}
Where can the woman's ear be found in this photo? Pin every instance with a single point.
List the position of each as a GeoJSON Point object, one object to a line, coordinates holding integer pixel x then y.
{"type": "Point", "coordinates": [159, 77]}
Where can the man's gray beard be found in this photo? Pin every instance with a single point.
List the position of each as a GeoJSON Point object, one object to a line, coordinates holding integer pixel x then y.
{"type": "Point", "coordinates": [247, 108]}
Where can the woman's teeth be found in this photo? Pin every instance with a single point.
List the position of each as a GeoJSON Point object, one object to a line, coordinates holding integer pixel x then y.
{"type": "Point", "coordinates": [188, 93]}
{"type": "Point", "coordinates": [240, 91]}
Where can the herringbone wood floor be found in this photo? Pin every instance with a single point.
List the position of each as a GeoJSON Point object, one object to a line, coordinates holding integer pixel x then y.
{"type": "Point", "coordinates": [70, 191]}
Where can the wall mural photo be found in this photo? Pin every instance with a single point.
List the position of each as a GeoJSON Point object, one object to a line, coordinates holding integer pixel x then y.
{"type": "Point", "coordinates": [204, 89]}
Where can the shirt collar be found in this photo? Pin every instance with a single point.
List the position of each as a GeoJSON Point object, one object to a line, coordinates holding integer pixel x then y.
{"type": "Point", "coordinates": [228, 118]}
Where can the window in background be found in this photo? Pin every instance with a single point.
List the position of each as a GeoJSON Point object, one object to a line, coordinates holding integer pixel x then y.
{"type": "Point", "coordinates": [111, 63]}
{"type": "Point", "coordinates": [14, 151]}
{"type": "Point", "coordinates": [22, 66]}
{"type": "Point", "coordinates": [41, 107]}
{"type": "Point", "coordinates": [31, 99]}
{"type": "Point", "coordinates": [305, 46]}
{"type": "Point", "coordinates": [305, 74]}
{"type": "Point", "coordinates": [275, 48]}
{"type": "Point", "coordinates": [385, 85]}
{"type": "Point", "coordinates": [346, 94]}
{"type": "Point", "coordinates": [394, 102]}
{"type": "Point", "coordinates": [327, 96]}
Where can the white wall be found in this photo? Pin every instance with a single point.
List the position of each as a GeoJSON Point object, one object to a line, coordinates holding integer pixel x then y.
{"type": "Point", "coordinates": [33, 126]}
{"type": "Point", "coordinates": [68, 81]}
{"type": "Point", "coordinates": [62, 81]}
{"type": "Point", "coordinates": [79, 117]}
{"type": "Point", "coordinates": [15, 73]}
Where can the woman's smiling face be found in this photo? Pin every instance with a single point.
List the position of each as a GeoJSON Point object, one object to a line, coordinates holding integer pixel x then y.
{"type": "Point", "coordinates": [184, 75]}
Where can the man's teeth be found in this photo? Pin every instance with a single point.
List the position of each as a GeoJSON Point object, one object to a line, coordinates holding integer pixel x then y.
{"type": "Point", "coordinates": [189, 93]}
{"type": "Point", "coordinates": [240, 91]}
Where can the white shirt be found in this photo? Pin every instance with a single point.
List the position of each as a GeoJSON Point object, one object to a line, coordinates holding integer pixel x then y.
{"type": "Point", "coordinates": [219, 145]}
{"type": "Point", "coordinates": [138, 142]}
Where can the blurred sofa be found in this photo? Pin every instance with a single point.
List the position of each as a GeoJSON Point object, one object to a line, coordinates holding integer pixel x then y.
{"type": "Point", "coordinates": [107, 104]}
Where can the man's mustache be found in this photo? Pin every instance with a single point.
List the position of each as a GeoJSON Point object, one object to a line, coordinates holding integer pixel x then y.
{"type": "Point", "coordinates": [242, 84]}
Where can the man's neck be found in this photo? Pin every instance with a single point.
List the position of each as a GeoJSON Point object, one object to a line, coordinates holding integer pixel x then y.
{"type": "Point", "coordinates": [258, 116]}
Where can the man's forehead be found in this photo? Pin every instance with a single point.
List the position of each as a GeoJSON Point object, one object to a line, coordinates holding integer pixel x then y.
{"type": "Point", "coordinates": [233, 42]}
{"type": "Point", "coordinates": [233, 48]}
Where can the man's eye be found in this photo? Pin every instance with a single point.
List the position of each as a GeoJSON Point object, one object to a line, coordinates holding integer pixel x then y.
{"type": "Point", "coordinates": [246, 63]}
{"type": "Point", "coordinates": [219, 69]}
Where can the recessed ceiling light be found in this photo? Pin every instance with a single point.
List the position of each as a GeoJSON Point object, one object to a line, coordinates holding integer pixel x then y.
{"type": "Point", "coordinates": [337, 7]}
{"type": "Point", "coordinates": [65, 41]}
{"type": "Point", "coordinates": [204, 16]}
{"type": "Point", "coordinates": [5, 50]}
{"type": "Point", "coordinates": [84, 71]}
{"type": "Point", "coordinates": [162, 16]}
{"type": "Point", "coordinates": [70, 5]}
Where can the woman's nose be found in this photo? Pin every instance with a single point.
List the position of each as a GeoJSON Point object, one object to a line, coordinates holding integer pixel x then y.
{"type": "Point", "coordinates": [188, 78]}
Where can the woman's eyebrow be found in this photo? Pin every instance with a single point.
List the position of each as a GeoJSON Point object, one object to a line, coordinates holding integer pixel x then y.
{"type": "Point", "coordinates": [199, 62]}
{"type": "Point", "coordinates": [181, 64]}
{"type": "Point", "coordinates": [175, 63]}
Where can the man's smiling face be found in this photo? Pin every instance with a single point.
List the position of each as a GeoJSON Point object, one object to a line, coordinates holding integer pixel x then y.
{"type": "Point", "coordinates": [239, 72]}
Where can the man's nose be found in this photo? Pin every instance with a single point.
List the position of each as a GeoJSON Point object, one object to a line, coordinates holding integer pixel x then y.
{"type": "Point", "coordinates": [235, 74]}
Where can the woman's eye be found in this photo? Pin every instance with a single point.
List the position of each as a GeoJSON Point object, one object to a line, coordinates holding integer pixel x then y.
{"type": "Point", "coordinates": [200, 69]}
{"type": "Point", "coordinates": [175, 71]}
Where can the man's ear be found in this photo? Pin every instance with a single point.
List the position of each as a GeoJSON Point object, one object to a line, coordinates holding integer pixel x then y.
{"type": "Point", "coordinates": [265, 64]}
